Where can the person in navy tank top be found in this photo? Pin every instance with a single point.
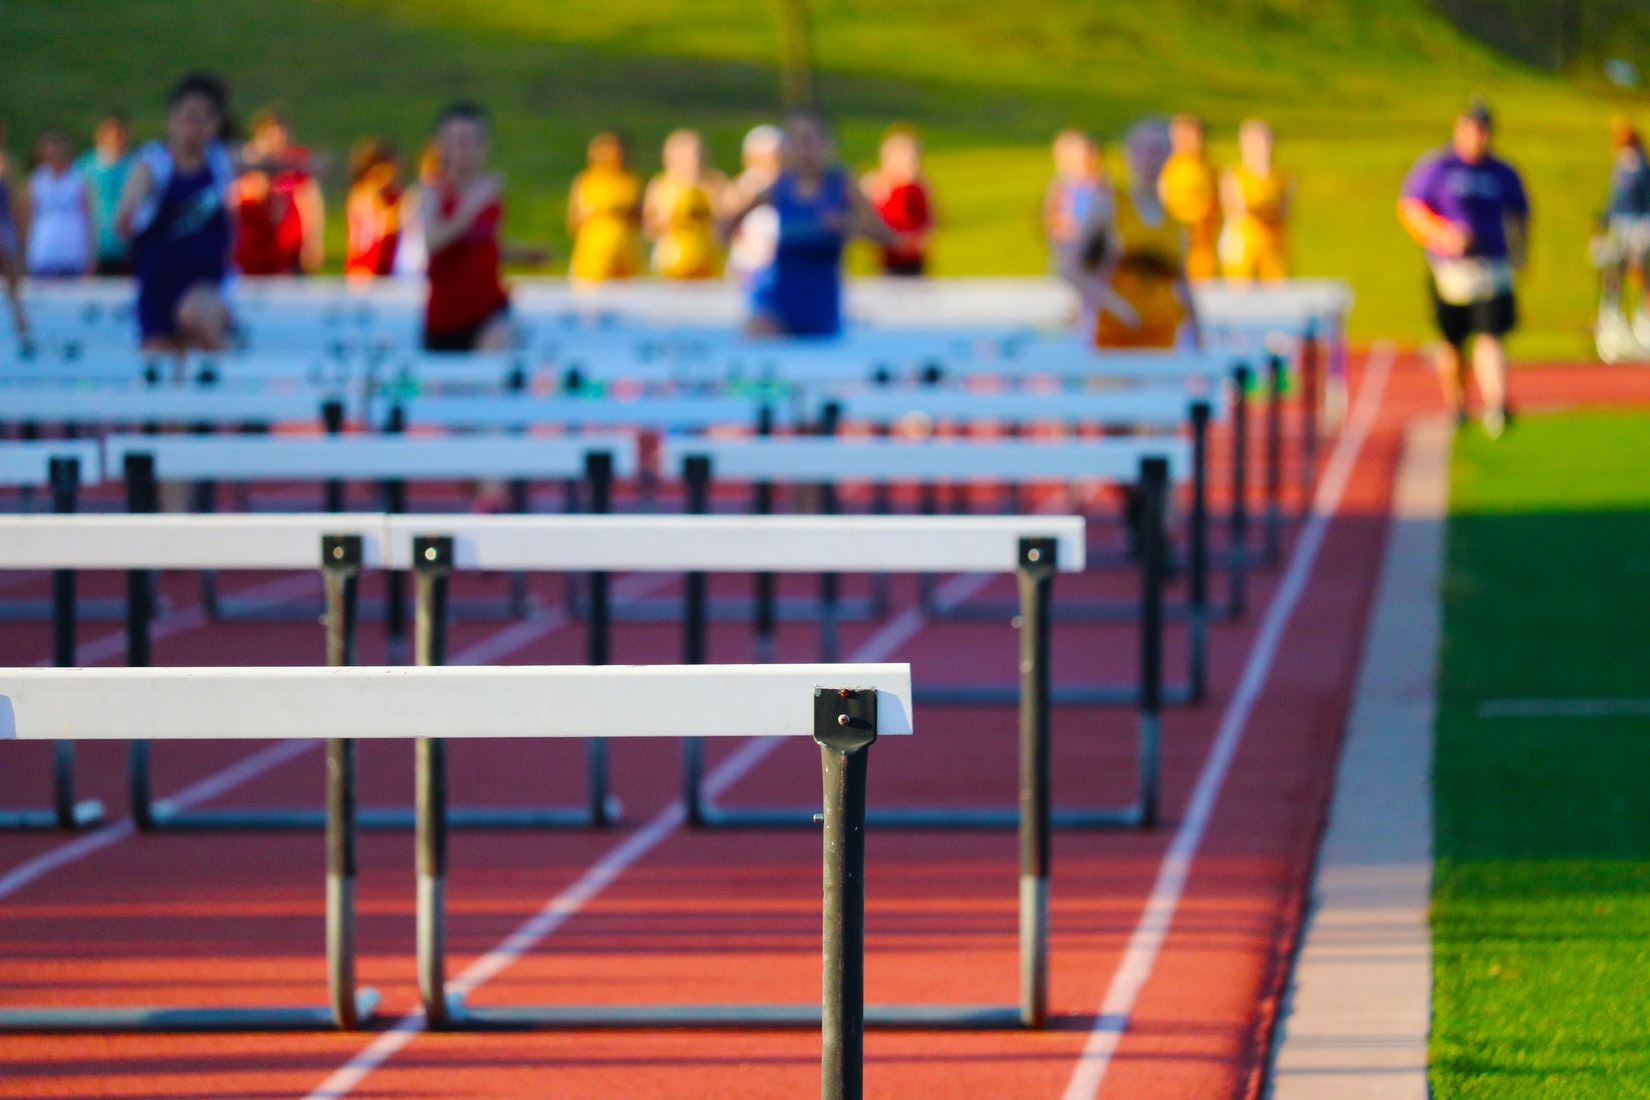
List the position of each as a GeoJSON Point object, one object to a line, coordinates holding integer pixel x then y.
{"type": "Point", "coordinates": [173, 210]}
{"type": "Point", "coordinates": [819, 207]}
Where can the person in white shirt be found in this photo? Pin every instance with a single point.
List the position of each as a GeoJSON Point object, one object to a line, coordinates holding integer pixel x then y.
{"type": "Point", "coordinates": [752, 246]}
{"type": "Point", "coordinates": [60, 232]}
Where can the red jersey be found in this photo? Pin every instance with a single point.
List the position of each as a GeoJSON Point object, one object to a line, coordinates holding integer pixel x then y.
{"type": "Point", "coordinates": [906, 209]}
{"type": "Point", "coordinates": [373, 214]}
{"type": "Point", "coordinates": [269, 234]}
{"type": "Point", "coordinates": [465, 288]}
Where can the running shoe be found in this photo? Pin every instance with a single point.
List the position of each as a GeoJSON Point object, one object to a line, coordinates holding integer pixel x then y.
{"type": "Point", "coordinates": [1495, 422]}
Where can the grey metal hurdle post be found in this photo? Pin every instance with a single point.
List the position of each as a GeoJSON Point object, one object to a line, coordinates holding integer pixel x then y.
{"type": "Point", "coordinates": [1154, 478]}
{"type": "Point", "coordinates": [830, 584]}
{"type": "Point", "coordinates": [1237, 550]}
{"type": "Point", "coordinates": [696, 476]}
{"type": "Point", "coordinates": [340, 575]}
{"type": "Point", "coordinates": [598, 467]}
{"type": "Point", "coordinates": [141, 497]}
{"type": "Point", "coordinates": [1311, 365]}
{"type": "Point", "coordinates": [1275, 376]}
{"type": "Point", "coordinates": [1197, 597]}
{"type": "Point", "coordinates": [1037, 563]}
{"type": "Point", "coordinates": [845, 725]}
{"type": "Point", "coordinates": [763, 621]}
{"type": "Point", "coordinates": [432, 563]}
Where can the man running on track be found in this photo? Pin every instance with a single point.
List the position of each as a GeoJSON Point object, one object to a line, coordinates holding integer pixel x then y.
{"type": "Point", "coordinates": [175, 211]}
{"type": "Point", "coordinates": [1469, 210]}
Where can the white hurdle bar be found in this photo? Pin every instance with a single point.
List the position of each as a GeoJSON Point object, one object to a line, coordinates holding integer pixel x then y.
{"type": "Point", "coordinates": [61, 466]}
{"type": "Point", "coordinates": [142, 404]}
{"type": "Point", "coordinates": [1117, 459]}
{"type": "Point", "coordinates": [1031, 547]}
{"type": "Point", "coordinates": [338, 545]}
{"type": "Point", "coordinates": [845, 708]}
{"type": "Point", "coordinates": [689, 413]}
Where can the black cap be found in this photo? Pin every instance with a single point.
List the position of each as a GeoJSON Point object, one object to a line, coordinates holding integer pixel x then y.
{"type": "Point", "coordinates": [1478, 109]}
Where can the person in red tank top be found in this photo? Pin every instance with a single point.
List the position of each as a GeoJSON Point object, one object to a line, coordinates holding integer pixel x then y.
{"type": "Point", "coordinates": [372, 212]}
{"type": "Point", "coordinates": [900, 194]}
{"type": "Point", "coordinates": [278, 203]}
{"type": "Point", "coordinates": [468, 308]}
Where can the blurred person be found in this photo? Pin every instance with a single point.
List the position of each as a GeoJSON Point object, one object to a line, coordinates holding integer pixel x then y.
{"type": "Point", "coordinates": [278, 202]}
{"type": "Point", "coordinates": [1129, 260]}
{"type": "Point", "coordinates": [372, 211]}
{"type": "Point", "coordinates": [468, 308]}
{"type": "Point", "coordinates": [1255, 195]}
{"type": "Point", "coordinates": [1078, 181]}
{"type": "Point", "coordinates": [59, 226]}
{"type": "Point", "coordinates": [175, 211]}
{"type": "Point", "coordinates": [604, 214]}
{"type": "Point", "coordinates": [1190, 191]}
{"type": "Point", "coordinates": [899, 194]}
{"type": "Point", "coordinates": [412, 258]}
{"type": "Point", "coordinates": [819, 208]}
{"type": "Point", "coordinates": [1469, 210]}
{"type": "Point", "coordinates": [679, 211]}
{"type": "Point", "coordinates": [751, 247]}
{"type": "Point", "coordinates": [1624, 247]}
{"type": "Point", "coordinates": [104, 167]}
{"type": "Point", "coordinates": [11, 253]}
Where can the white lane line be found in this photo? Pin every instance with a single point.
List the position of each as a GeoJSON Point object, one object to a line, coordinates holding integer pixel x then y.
{"type": "Point", "coordinates": [1628, 707]}
{"type": "Point", "coordinates": [1140, 955]}
{"type": "Point", "coordinates": [555, 912]}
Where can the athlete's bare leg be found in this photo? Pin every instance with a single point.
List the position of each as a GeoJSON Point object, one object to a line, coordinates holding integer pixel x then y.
{"type": "Point", "coordinates": [498, 334]}
{"type": "Point", "coordinates": [1452, 376]}
{"type": "Point", "coordinates": [204, 319]}
{"type": "Point", "coordinates": [761, 324]}
{"type": "Point", "coordinates": [1489, 363]}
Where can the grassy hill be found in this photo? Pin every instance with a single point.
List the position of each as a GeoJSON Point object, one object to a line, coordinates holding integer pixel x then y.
{"type": "Point", "coordinates": [1356, 89]}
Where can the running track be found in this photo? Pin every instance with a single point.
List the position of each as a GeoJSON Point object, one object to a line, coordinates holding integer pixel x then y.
{"type": "Point", "coordinates": [1168, 946]}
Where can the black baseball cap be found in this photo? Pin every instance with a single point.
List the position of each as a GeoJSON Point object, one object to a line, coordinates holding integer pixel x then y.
{"type": "Point", "coordinates": [1478, 110]}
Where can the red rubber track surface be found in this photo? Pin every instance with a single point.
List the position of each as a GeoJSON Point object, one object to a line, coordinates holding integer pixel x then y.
{"type": "Point", "coordinates": [230, 918]}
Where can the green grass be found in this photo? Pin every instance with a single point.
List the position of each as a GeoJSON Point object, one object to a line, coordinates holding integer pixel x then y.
{"type": "Point", "coordinates": [1541, 917]}
{"type": "Point", "coordinates": [1356, 89]}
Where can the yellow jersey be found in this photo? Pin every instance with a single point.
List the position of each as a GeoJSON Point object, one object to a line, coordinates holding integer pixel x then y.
{"type": "Point", "coordinates": [607, 243]}
{"type": "Point", "coordinates": [1255, 243]}
{"type": "Point", "coordinates": [1191, 193]}
{"type": "Point", "coordinates": [687, 248]}
{"type": "Point", "coordinates": [1151, 262]}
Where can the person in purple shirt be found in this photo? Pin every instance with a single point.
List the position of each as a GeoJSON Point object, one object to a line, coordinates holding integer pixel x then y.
{"type": "Point", "coordinates": [1469, 210]}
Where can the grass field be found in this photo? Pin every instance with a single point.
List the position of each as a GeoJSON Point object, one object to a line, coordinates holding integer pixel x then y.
{"type": "Point", "coordinates": [1356, 88]}
{"type": "Point", "coordinates": [1541, 917]}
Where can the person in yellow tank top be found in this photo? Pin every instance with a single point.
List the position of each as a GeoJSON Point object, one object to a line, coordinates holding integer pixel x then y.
{"type": "Point", "coordinates": [1129, 266]}
{"type": "Point", "coordinates": [1256, 195]}
{"type": "Point", "coordinates": [679, 211]}
{"type": "Point", "coordinates": [604, 215]}
{"type": "Point", "coordinates": [1190, 192]}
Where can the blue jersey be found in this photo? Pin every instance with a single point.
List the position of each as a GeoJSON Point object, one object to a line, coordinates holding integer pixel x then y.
{"type": "Point", "coordinates": [184, 244]}
{"type": "Point", "coordinates": [801, 289]}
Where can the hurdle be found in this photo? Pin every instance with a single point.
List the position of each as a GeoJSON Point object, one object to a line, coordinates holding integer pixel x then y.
{"type": "Point", "coordinates": [61, 466]}
{"type": "Point", "coordinates": [143, 404]}
{"type": "Point", "coordinates": [1033, 547]}
{"type": "Point", "coordinates": [877, 460]}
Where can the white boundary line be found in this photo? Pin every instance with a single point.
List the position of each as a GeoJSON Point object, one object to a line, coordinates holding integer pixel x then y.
{"type": "Point", "coordinates": [1155, 920]}
{"type": "Point", "coordinates": [556, 912]}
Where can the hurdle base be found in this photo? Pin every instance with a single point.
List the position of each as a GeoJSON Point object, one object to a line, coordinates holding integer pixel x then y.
{"type": "Point", "coordinates": [92, 609]}
{"type": "Point", "coordinates": [918, 817]}
{"type": "Point", "coordinates": [85, 815]}
{"type": "Point", "coordinates": [295, 1018]}
{"type": "Point", "coordinates": [1064, 694]}
{"type": "Point", "coordinates": [664, 1017]}
{"type": "Point", "coordinates": [167, 817]}
{"type": "Point", "coordinates": [1069, 611]}
{"type": "Point", "coordinates": [230, 609]}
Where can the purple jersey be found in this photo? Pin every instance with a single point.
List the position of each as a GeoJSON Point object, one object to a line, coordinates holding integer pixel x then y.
{"type": "Point", "coordinates": [1479, 196]}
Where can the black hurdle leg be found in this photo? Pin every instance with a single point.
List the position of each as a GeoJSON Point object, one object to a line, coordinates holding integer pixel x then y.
{"type": "Point", "coordinates": [696, 475]}
{"type": "Point", "coordinates": [64, 477]}
{"type": "Point", "coordinates": [142, 497]}
{"type": "Point", "coordinates": [599, 471]}
{"type": "Point", "coordinates": [1035, 572]}
{"type": "Point", "coordinates": [1274, 459]}
{"type": "Point", "coordinates": [520, 504]}
{"type": "Point", "coordinates": [1198, 580]}
{"type": "Point", "coordinates": [340, 573]}
{"type": "Point", "coordinates": [332, 419]}
{"type": "Point", "coordinates": [394, 495]}
{"type": "Point", "coordinates": [1311, 377]}
{"type": "Point", "coordinates": [764, 618]}
{"type": "Point", "coordinates": [1237, 550]}
{"type": "Point", "coordinates": [1154, 483]}
{"type": "Point", "coordinates": [205, 502]}
{"type": "Point", "coordinates": [845, 726]}
{"type": "Point", "coordinates": [830, 584]}
{"type": "Point", "coordinates": [432, 562]}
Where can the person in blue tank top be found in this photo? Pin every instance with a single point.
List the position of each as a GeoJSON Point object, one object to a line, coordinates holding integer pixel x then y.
{"type": "Point", "coordinates": [819, 207]}
{"type": "Point", "coordinates": [174, 212]}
